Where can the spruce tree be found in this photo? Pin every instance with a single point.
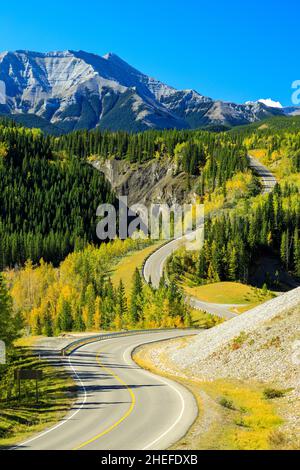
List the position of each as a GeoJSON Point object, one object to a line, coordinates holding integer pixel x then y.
{"type": "Point", "coordinates": [136, 298]}
{"type": "Point", "coordinates": [8, 324]}
{"type": "Point", "coordinates": [296, 253]}
{"type": "Point", "coordinates": [64, 317]}
{"type": "Point", "coordinates": [48, 325]}
{"type": "Point", "coordinates": [121, 299]}
{"type": "Point", "coordinates": [232, 264]}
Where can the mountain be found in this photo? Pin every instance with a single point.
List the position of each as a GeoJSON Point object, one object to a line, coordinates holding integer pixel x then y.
{"type": "Point", "coordinates": [292, 111]}
{"type": "Point", "coordinates": [271, 103]}
{"type": "Point", "coordinates": [65, 91]}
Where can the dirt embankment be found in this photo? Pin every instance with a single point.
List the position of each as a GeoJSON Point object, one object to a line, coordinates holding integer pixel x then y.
{"type": "Point", "coordinates": [248, 389]}
{"type": "Point", "coordinates": [155, 181]}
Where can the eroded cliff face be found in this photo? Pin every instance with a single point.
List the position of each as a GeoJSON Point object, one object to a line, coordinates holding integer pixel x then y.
{"type": "Point", "coordinates": [157, 181]}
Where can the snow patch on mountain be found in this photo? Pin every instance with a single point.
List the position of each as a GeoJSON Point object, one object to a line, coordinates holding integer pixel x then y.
{"type": "Point", "coordinates": [271, 103]}
{"type": "Point", "coordinates": [77, 89]}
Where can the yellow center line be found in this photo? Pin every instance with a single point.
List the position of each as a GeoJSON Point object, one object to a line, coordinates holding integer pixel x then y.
{"type": "Point", "coordinates": [128, 412]}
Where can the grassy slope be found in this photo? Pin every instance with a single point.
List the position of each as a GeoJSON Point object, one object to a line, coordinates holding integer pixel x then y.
{"type": "Point", "coordinates": [19, 420]}
{"type": "Point", "coordinates": [126, 267]}
{"type": "Point", "coordinates": [204, 320]}
{"type": "Point", "coordinates": [250, 425]}
{"type": "Point", "coordinates": [229, 293]}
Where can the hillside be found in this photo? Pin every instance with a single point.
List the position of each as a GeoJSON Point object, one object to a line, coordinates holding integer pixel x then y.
{"type": "Point", "coordinates": [48, 201]}
{"type": "Point", "coordinates": [245, 373]}
{"type": "Point", "coordinates": [153, 181]}
{"type": "Point", "coordinates": [273, 124]}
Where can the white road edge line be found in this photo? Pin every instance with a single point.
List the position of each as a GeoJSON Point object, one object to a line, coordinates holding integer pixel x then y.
{"type": "Point", "coordinates": [78, 379]}
{"type": "Point", "coordinates": [125, 357]}
{"type": "Point", "coordinates": [65, 420]}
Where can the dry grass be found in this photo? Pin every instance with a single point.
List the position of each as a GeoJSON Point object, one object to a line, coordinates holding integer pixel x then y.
{"type": "Point", "coordinates": [228, 293]}
{"type": "Point", "coordinates": [250, 423]}
{"type": "Point", "coordinates": [126, 267]}
{"type": "Point", "coordinates": [27, 341]}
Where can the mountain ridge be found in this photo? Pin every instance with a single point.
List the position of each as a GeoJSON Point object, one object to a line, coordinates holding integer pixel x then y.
{"type": "Point", "coordinates": [73, 90]}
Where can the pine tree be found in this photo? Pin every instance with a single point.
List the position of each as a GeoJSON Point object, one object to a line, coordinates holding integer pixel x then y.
{"type": "Point", "coordinates": [201, 265]}
{"type": "Point", "coordinates": [48, 325]}
{"type": "Point", "coordinates": [79, 324]}
{"type": "Point", "coordinates": [64, 320]}
{"type": "Point", "coordinates": [284, 249]}
{"type": "Point", "coordinates": [232, 264]}
{"type": "Point", "coordinates": [121, 300]}
{"type": "Point", "coordinates": [8, 324]}
{"type": "Point", "coordinates": [296, 253]}
{"type": "Point", "coordinates": [215, 262]}
{"type": "Point", "coordinates": [136, 299]}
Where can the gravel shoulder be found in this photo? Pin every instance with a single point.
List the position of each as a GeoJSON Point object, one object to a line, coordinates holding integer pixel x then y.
{"type": "Point", "coordinates": [230, 381]}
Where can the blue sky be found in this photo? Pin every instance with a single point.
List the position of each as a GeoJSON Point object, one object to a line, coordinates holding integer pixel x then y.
{"type": "Point", "coordinates": [230, 50]}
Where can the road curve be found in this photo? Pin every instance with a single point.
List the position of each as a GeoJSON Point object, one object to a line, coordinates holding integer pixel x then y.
{"type": "Point", "coordinates": [120, 406]}
{"type": "Point", "coordinates": [154, 268]}
{"type": "Point", "coordinates": [155, 264]}
{"type": "Point", "coordinates": [267, 178]}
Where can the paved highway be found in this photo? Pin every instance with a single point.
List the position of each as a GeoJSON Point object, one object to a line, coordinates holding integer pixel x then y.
{"type": "Point", "coordinates": [154, 268]}
{"type": "Point", "coordinates": [155, 264]}
{"type": "Point", "coordinates": [120, 406]}
{"type": "Point", "coordinates": [267, 178]}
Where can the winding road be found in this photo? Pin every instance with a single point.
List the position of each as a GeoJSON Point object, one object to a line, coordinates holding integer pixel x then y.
{"type": "Point", "coordinates": [268, 180]}
{"type": "Point", "coordinates": [155, 264]}
{"type": "Point", "coordinates": [120, 406]}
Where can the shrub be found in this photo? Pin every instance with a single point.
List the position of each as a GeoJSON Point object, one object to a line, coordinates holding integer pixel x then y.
{"type": "Point", "coordinates": [238, 341]}
{"type": "Point", "coordinates": [241, 422]}
{"type": "Point", "coordinates": [277, 438]}
{"type": "Point", "coordinates": [270, 393]}
{"type": "Point", "coordinates": [226, 403]}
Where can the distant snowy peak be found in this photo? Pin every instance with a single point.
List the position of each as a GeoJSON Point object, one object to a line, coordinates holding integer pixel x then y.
{"type": "Point", "coordinates": [77, 89]}
{"type": "Point", "coordinates": [270, 103]}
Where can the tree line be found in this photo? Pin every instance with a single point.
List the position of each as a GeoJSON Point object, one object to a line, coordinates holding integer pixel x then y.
{"type": "Point", "coordinates": [47, 204]}
{"type": "Point", "coordinates": [49, 193]}
{"type": "Point", "coordinates": [234, 240]}
{"type": "Point", "coordinates": [79, 295]}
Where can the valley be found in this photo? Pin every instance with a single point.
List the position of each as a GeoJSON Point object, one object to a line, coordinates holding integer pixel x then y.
{"type": "Point", "coordinates": [149, 233]}
{"type": "Point", "coordinates": [59, 282]}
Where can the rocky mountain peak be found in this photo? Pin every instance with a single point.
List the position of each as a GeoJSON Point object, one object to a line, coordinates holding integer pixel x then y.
{"type": "Point", "coordinates": [78, 89]}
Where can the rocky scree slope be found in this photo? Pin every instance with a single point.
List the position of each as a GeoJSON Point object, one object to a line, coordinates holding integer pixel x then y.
{"type": "Point", "coordinates": [65, 91]}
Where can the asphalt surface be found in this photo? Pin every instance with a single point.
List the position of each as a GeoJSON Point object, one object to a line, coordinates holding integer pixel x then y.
{"type": "Point", "coordinates": [155, 264]}
{"type": "Point", "coordinates": [154, 267]}
{"type": "Point", "coordinates": [120, 406]}
{"type": "Point", "coordinates": [267, 178]}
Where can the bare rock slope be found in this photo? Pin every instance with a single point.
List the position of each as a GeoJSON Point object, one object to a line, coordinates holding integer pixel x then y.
{"type": "Point", "coordinates": [259, 349]}
{"type": "Point", "coordinates": [150, 182]}
{"type": "Point", "coordinates": [213, 340]}
{"type": "Point", "coordinates": [73, 90]}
